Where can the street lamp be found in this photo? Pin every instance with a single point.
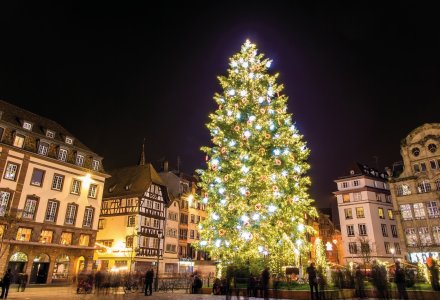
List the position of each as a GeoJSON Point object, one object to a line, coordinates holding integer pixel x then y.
{"type": "Point", "coordinates": [159, 237]}
{"type": "Point", "coordinates": [335, 242]}
{"type": "Point", "coordinates": [392, 250]}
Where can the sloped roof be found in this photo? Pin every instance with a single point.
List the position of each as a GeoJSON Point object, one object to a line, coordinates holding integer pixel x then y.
{"type": "Point", "coordinates": [15, 116]}
{"type": "Point", "coordinates": [132, 181]}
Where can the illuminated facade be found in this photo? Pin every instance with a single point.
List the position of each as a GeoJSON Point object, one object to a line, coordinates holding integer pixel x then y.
{"type": "Point", "coordinates": [51, 188]}
{"type": "Point", "coordinates": [132, 221]}
{"type": "Point", "coordinates": [415, 192]}
{"type": "Point", "coordinates": [368, 223]}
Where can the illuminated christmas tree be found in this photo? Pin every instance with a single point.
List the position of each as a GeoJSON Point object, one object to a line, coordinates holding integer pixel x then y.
{"type": "Point", "coordinates": [255, 186]}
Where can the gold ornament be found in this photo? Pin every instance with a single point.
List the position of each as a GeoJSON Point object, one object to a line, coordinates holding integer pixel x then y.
{"type": "Point", "coordinates": [262, 151]}
{"type": "Point", "coordinates": [258, 206]}
{"type": "Point", "coordinates": [221, 232]}
{"type": "Point", "coordinates": [262, 110]}
{"type": "Point", "coordinates": [267, 135]}
{"type": "Point", "coordinates": [263, 177]}
{"type": "Point", "coordinates": [223, 150]}
{"type": "Point", "coordinates": [237, 128]}
{"type": "Point", "coordinates": [247, 193]}
{"type": "Point", "coordinates": [226, 178]}
{"type": "Point", "coordinates": [280, 224]}
{"type": "Point", "coordinates": [275, 188]}
{"type": "Point", "coordinates": [277, 162]}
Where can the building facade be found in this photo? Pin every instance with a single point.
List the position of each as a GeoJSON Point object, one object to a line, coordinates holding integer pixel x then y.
{"type": "Point", "coordinates": [51, 188]}
{"type": "Point", "coordinates": [368, 223]}
{"type": "Point", "coordinates": [132, 221]}
{"type": "Point", "coordinates": [415, 190]}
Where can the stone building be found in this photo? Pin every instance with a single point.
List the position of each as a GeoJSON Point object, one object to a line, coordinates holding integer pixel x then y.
{"type": "Point", "coordinates": [50, 193]}
{"type": "Point", "coordinates": [415, 189]}
{"type": "Point", "coordinates": [368, 223]}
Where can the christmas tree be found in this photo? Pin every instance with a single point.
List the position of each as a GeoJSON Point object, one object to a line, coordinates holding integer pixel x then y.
{"type": "Point", "coordinates": [255, 186]}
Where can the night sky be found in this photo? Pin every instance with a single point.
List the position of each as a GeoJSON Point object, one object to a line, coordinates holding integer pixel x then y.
{"type": "Point", "coordinates": [359, 78]}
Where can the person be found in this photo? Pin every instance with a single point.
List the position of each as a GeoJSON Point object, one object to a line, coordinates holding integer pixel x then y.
{"type": "Point", "coordinates": [313, 280]}
{"type": "Point", "coordinates": [251, 286]}
{"type": "Point", "coordinates": [23, 279]}
{"type": "Point", "coordinates": [360, 287]}
{"type": "Point", "coordinates": [197, 285]}
{"type": "Point", "coordinates": [6, 282]}
{"type": "Point", "coordinates": [217, 287]}
{"type": "Point", "coordinates": [265, 282]}
{"type": "Point", "coordinates": [149, 277]}
{"type": "Point", "coordinates": [399, 279]}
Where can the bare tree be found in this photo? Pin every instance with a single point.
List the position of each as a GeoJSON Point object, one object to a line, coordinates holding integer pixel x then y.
{"type": "Point", "coordinates": [8, 229]}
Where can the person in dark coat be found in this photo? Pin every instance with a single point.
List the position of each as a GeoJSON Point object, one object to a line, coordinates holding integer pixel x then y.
{"type": "Point", "coordinates": [359, 283]}
{"type": "Point", "coordinates": [6, 282]}
{"type": "Point", "coordinates": [313, 280]}
{"type": "Point", "coordinates": [265, 275]}
{"type": "Point", "coordinates": [399, 279]}
{"type": "Point", "coordinates": [149, 277]}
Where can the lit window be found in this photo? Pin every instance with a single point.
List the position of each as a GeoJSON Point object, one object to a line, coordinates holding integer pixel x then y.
{"type": "Point", "coordinates": [381, 213]}
{"type": "Point", "coordinates": [18, 141]}
{"type": "Point", "coordinates": [360, 212]}
{"type": "Point", "coordinates": [405, 209]}
{"type": "Point", "coordinates": [403, 190]}
{"type": "Point", "coordinates": [433, 211]}
{"type": "Point", "coordinates": [23, 234]}
{"type": "Point", "coordinates": [425, 237]}
{"type": "Point", "coordinates": [79, 161]}
{"type": "Point", "coordinates": [419, 211]}
{"type": "Point", "coordinates": [27, 125]}
{"type": "Point", "coordinates": [411, 236]}
{"type": "Point", "coordinates": [93, 190]}
{"type": "Point", "coordinates": [129, 241]}
{"type": "Point", "coordinates": [390, 214]}
{"type": "Point", "coordinates": [436, 234]}
{"type": "Point", "coordinates": [4, 201]}
{"type": "Point", "coordinates": [131, 221]}
{"type": "Point", "coordinates": [50, 134]}
{"type": "Point", "coordinates": [11, 171]}
{"type": "Point", "coordinates": [346, 198]}
{"type": "Point", "coordinates": [43, 148]}
{"type": "Point", "coordinates": [101, 223]}
{"type": "Point", "coordinates": [62, 154]}
{"type": "Point", "coordinates": [66, 238]}
{"type": "Point", "coordinates": [95, 165]}
{"type": "Point", "coordinates": [88, 217]}
{"type": "Point", "coordinates": [37, 177]}
{"type": "Point", "coordinates": [76, 187]}
{"type": "Point", "coordinates": [46, 236]}
{"type": "Point", "coordinates": [30, 208]}
{"type": "Point", "coordinates": [84, 239]}
{"type": "Point", "coordinates": [424, 187]}
{"type": "Point", "coordinates": [57, 182]}
{"type": "Point", "coordinates": [51, 211]}
{"type": "Point", "coordinates": [69, 140]}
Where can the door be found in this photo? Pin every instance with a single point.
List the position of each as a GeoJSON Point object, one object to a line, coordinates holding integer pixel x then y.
{"type": "Point", "coordinates": [39, 272]}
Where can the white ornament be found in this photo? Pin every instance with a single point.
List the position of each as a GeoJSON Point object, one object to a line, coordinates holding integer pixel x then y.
{"type": "Point", "coordinates": [272, 208]}
{"type": "Point", "coordinates": [276, 152]}
{"type": "Point", "coordinates": [301, 227]}
{"type": "Point", "coordinates": [252, 118]}
{"type": "Point", "coordinates": [232, 143]}
{"type": "Point", "coordinates": [251, 75]}
{"type": "Point", "coordinates": [245, 64]}
{"type": "Point", "coordinates": [258, 127]}
{"type": "Point", "coordinates": [215, 217]}
{"type": "Point", "coordinates": [255, 217]}
{"type": "Point", "coordinates": [247, 133]}
{"type": "Point", "coordinates": [231, 92]}
{"type": "Point", "coordinates": [203, 243]}
{"type": "Point", "coordinates": [234, 64]}
{"type": "Point", "coordinates": [260, 99]}
{"type": "Point", "coordinates": [244, 218]}
{"type": "Point", "coordinates": [218, 242]}
{"type": "Point", "coordinates": [244, 169]}
{"type": "Point", "coordinates": [215, 161]}
{"type": "Point", "coordinates": [268, 64]}
{"type": "Point", "coordinates": [243, 93]}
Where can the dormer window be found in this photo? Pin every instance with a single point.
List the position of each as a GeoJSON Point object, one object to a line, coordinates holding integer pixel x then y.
{"type": "Point", "coordinates": [43, 148]}
{"type": "Point", "coordinates": [18, 141]}
{"type": "Point", "coordinates": [79, 161]}
{"type": "Point", "coordinates": [27, 125]}
{"type": "Point", "coordinates": [50, 134]}
{"type": "Point", "coordinates": [62, 154]}
{"type": "Point", "coordinates": [95, 165]}
{"type": "Point", "coordinates": [69, 140]}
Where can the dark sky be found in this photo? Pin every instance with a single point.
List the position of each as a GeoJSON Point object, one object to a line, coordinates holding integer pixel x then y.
{"type": "Point", "coordinates": [359, 78]}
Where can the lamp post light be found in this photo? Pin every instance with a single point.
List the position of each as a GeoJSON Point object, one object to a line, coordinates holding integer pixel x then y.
{"type": "Point", "coordinates": [335, 242]}
{"type": "Point", "coordinates": [159, 237]}
{"type": "Point", "coordinates": [392, 250]}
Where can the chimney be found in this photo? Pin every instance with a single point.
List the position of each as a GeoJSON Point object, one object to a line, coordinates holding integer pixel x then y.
{"type": "Point", "coordinates": [165, 166]}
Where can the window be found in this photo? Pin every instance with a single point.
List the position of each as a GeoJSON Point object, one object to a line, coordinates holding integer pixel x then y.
{"type": "Point", "coordinates": [346, 198]}
{"type": "Point", "coordinates": [423, 167]}
{"type": "Point", "coordinates": [419, 211]}
{"type": "Point", "coordinates": [411, 236]}
{"type": "Point", "coordinates": [101, 223]}
{"type": "Point", "coordinates": [350, 230]}
{"type": "Point", "coordinates": [345, 184]}
{"type": "Point", "coordinates": [378, 197]}
{"type": "Point", "coordinates": [18, 141]}
{"type": "Point", "coordinates": [93, 189]}
{"type": "Point", "coordinates": [23, 234]}
{"type": "Point", "coordinates": [129, 241]}
{"type": "Point", "coordinates": [76, 187]}
{"type": "Point", "coordinates": [424, 187]}
{"type": "Point", "coordinates": [106, 243]}
{"type": "Point", "coordinates": [348, 213]}
{"type": "Point", "coordinates": [172, 216]}
{"type": "Point", "coordinates": [416, 168]}
{"type": "Point", "coordinates": [191, 234]}
{"type": "Point", "coordinates": [70, 214]}
{"type": "Point", "coordinates": [95, 165]}
{"type": "Point", "coordinates": [69, 140]}
{"type": "Point", "coordinates": [57, 182]}
{"type": "Point", "coordinates": [2, 230]}
{"type": "Point", "coordinates": [88, 217]}
{"type": "Point", "coordinates": [183, 219]}
{"type": "Point", "coordinates": [432, 148]}
{"type": "Point", "coordinates": [365, 248]}
{"type": "Point", "coordinates": [394, 230]}
{"type": "Point", "coordinates": [433, 164]}
{"type": "Point", "coordinates": [387, 248]}
{"type": "Point", "coordinates": [352, 247]}
{"type": "Point", "coordinates": [406, 212]}
{"type": "Point", "coordinates": [4, 201]}
{"type": "Point", "coordinates": [384, 230]}
{"type": "Point", "coordinates": [183, 234]}
{"type": "Point", "coordinates": [436, 234]}
{"type": "Point", "coordinates": [46, 236]}
{"type": "Point", "coordinates": [62, 154]}
{"type": "Point", "coordinates": [388, 198]}
{"type": "Point", "coordinates": [66, 238]}
{"type": "Point", "coordinates": [157, 206]}
{"type": "Point", "coordinates": [362, 229]}
{"type": "Point", "coordinates": [27, 125]}
{"type": "Point", "coordinates": [193, 219]}
{"type": "Point", "coordinates": [415, 151]}
{"type": "Point", "coordinates": [30, 208]}
{"type": "Point", "coordinates": [360, 212]}
{"type": "Point", "coordinates": [79, 161]}
{"type": "Point", "coordinates": [381, 213]}
{"type": "Point", "coordinates": [432, 207]}
{"type": "Point", "coordinates": [403, 190]}
{"type": "Point", "coordinates": [437, 184]}
{"type": "Point", "coordinates": [357, 196]}
{"type": "Point", "coordinates": [171, 248]}
{"type": "Point", "coordinates": [50, 134]}
{"type": "Point", "coordinates": [51, 211]}
{"type": "Point", "coordinates": [397, 248]}
{"type": "Point", "coordinates": [156, 223]}
{"type": "Point", "coordinates": [11, 171]}
{"type": "Point", "coordinates": [84, 240]}
{"type": "Point", "coordinates": [425, 237]}
{"type": "Point", "coordinates": [390, 214]}
{"type": "Point", "coordinates": [356, 183]}
{"type": "Point", "coordinates": [37, 177]}
{"type": "Point", "coordinates": [131, 221]}
{"type": "Point", "coordinates": [43, 148]}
